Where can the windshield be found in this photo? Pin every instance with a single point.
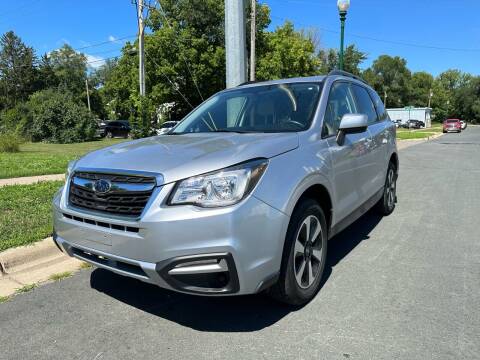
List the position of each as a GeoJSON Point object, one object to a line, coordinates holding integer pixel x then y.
{"type": "Point", "coordinates": [268, 108]}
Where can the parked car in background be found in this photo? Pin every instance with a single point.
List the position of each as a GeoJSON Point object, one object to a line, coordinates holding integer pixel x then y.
{"type": "Point", "coordinates": [166, 127]}
{"type": "Point", "coordinates": [116, 128]}
{"type": "Point", "coordinates": [452, 125]}
{"type": "Point", "coordinates": [415, 124]}
{"type": "Point", "coordinates": [100, 131]}
{"type": "Point", "coordinates": [464, 124]}
{"type": "Point", "coordinates": [398, 123]}
{"type": "Point", "coordinates": [242, 196]}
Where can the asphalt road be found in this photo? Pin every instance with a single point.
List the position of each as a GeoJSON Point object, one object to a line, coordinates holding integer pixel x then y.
{"type": "Point", "coordinates": [402, 287]}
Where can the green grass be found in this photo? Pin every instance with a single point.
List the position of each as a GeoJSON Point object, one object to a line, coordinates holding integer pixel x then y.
{"type": "Point", "coordinates": [85, 265]}
{"type": "Point", "coordinates": [3, 299]}
{"type": "Point", "coordinates": [407, 135]}
{"type": "Point", "coordinates": [44, 159]}
{"type": "Point", "coordinates": [26, 213]}
{"type": "Point", "coordinates": [60, 276]}
{"type": "Point", "coordinates": [25, 288]}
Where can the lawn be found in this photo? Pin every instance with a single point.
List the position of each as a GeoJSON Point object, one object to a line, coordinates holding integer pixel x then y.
{"type": "Point", "coordinates": [45, 159]}
{"type": "Point", "coordinates": [25, 213]}
{"type": "Point", "coordinates": [406, 134]}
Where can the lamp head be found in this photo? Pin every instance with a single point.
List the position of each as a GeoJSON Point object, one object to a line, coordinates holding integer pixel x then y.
{"type": "Point", "coordinates": [343, 5]}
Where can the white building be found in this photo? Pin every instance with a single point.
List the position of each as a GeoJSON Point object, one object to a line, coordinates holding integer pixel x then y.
{"type": "Point", "coordinates": [410, 112]}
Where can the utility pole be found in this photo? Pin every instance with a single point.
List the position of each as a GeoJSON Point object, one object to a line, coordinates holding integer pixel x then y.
{"type": "Point", "coordinates": [253, 33]}
{"type": "Point", "coordinates": [235, 42]}
{"type": "Point", "coordinates": [430, 97]}
{"type": "Point", "coordinates": [88, 95]}
{"type": "Point", "coordinates": [141, 48]}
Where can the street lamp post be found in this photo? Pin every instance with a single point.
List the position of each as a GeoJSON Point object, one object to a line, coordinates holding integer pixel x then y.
{"type": "Point", "coordinates": [342, 6]}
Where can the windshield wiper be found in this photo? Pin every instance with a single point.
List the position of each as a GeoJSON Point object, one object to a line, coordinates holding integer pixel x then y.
{"type": "Point", "coordinates": [234, 131]}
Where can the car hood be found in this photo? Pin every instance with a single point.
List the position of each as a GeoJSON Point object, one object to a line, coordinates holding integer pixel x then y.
{"type": "Point", "coordinates": [177, 157]}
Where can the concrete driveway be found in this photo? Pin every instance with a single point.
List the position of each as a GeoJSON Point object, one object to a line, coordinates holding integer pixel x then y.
{"type": "Point", "coordinates": [402, 287]}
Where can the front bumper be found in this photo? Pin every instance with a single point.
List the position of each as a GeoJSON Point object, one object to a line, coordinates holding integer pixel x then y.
{"type": "Point", "coordinates": [238, 249]}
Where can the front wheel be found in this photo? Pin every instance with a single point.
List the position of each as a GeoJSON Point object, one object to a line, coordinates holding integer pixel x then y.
{"type": "Point", "coordinates": [386, 204]}
{"type": "Point", "coordinates": [304, 255]}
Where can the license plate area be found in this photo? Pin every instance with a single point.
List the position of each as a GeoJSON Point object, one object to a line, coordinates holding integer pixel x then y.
{"type": "Point", "coordinates": [100, 237]}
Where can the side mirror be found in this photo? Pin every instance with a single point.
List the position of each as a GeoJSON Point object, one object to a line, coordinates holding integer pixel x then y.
{"type": "Point", "coordinates": [351, 124]}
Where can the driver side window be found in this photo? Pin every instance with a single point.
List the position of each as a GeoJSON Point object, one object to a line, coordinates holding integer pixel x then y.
{"type": "Point", "coordinates": [340, 102]}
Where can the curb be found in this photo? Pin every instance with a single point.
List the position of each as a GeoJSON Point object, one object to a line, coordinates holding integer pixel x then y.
{"type": "Point", "coordinates": [27, 180]}
{"type": "Point", "coordinates": [33, 264]}
{"type": "Point", "coordinates": [19, 256]}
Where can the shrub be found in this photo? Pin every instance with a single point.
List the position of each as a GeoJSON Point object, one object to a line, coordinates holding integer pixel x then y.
{"type": "Point", "coordinates": [15, 120]}
{"type": "Point", "coordinates": [56, 117]}
{"type": "Point", "coordinates": [9, 143]}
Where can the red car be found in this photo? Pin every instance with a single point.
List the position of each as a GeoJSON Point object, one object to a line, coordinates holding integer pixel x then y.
{"type": "Point", "coordinates": [452, 125]}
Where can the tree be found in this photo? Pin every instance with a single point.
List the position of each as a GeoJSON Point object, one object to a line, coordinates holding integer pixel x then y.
{"type": "Point", "coordinates": [420, 86]}
{"type": "Point", "coordinates": [391, 75]}
{"type": "Point", "coordinates": [70, 69]}
{"type": "Point", "coordinates": [56, 116]}
{"type": "Point", "coordinates": [288, 53]}
{"type": "Point", "coordinates": [17, 70]}
{"type": "Point", "coordinates": [352, 60]}
{"type": "Point", "coordinates": [46, 73]}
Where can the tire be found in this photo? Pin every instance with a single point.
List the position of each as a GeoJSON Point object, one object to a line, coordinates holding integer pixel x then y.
{"type": "Point", "coordinates": [299, 259]}
{"type": "Point", "coordinates": [109, 135]}
{"type": "Point", "coordinates": [386, 204]}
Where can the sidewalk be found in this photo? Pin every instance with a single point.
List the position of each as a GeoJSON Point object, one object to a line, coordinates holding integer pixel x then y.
{"type": "Point", "coordinates": [31, 179]}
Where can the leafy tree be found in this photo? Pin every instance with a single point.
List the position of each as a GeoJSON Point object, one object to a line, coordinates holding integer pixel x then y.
{"type": "Point", "coordinates": [46, 73]}
{"type": "Point", "coordinates": [468, 100]}
{"type": "Point", "coordinates": [352, 60]}
{"type": "Point", "coordinates": [56, 117]}
{"type": "Point", "coordinates": [70, 69]}
{"type": "Point", "coordinates": [391, 75]}
{"type": "Point", "coordinates": [17, 70]}
{"type": "Point", "coordinates": [420, 86]}
{"type": "Point", "coordinates": [288, 53]}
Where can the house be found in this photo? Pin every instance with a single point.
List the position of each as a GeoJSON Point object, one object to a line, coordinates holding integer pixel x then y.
{"type": "Point", "coordinates": [410, 112]}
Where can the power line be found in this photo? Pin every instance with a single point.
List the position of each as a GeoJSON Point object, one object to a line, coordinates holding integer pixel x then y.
{"type": "Point", "coordinates": [395, 42]}
{"type": "Point", "coordinates": [175, 87]}
{"type": "Point", "coordinates": [183, 56]}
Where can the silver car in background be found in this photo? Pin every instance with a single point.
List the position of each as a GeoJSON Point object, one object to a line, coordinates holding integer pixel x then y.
{"type": "Point", "coordinates": [242, 196]}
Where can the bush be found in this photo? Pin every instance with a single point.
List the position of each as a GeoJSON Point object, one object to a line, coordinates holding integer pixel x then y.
{"type": "Point", "coordinates": [56, 117]}
{"type": "Point", "coordinates": [15, 120]}
{"type": "Point", "coordinates": [10, 143]}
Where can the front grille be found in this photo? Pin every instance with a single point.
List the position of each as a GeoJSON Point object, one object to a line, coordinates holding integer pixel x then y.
{"type": "Point", "coordinates": [127, 196]}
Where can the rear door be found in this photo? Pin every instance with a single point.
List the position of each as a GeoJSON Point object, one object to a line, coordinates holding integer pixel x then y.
{"type": "Point", "coordinates": [350, 159]}
{"type": "Point", "coordinates": [373, 175]}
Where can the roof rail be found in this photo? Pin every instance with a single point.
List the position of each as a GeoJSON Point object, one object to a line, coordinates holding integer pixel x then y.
{"type": "Point", "coordinates": [347, 74]}
{"type": "Point", "coordinates": [247, 83]}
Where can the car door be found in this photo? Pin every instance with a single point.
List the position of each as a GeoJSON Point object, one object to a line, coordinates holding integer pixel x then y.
{"type": "Point", "coordinates": [374, 176]}
{"type": "Point", "coordinates": [349, 159]}
{"type": "Point", "coordinates": [382, 136]}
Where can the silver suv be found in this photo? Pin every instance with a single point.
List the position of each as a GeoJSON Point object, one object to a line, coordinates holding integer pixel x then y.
{"type": "Point", "coordinates": [242, 195]}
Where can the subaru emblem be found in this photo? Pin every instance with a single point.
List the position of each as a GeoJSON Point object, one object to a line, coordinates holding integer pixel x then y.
{"type": "Point", "coordinates": [102, 186]}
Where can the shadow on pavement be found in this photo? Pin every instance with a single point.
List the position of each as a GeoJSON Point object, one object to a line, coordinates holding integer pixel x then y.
{"type": "Point", "coordinates": [221, 314]}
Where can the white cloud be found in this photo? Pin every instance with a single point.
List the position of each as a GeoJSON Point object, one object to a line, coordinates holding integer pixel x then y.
{"type": "Point", "coordinates": [94, 62]}
{"type": "Point", "coordinates": [112, 38]}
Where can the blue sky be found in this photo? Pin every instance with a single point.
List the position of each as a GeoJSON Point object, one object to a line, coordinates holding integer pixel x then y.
{"type": "Point", "coordinates": [401, 27]}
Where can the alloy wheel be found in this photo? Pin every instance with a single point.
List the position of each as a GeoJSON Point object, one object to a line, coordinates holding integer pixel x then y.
{"type": "Point", "coordinates": [308, 252]}
{"type": "Point", "coordinates": [391, 188]}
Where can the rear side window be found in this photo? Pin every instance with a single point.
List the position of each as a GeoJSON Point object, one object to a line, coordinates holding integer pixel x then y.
{"type": "Point", "coordinates": [365, 104]}
{"type": "Point", "coordinates": [379, 106]}
{"type": "Point", "coordinates": [340, 102]}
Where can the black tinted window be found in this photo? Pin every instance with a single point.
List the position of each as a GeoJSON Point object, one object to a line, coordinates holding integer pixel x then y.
{"type": "Point", "coordinates": [365, 104]}
{"type": "Point", "coordinates": [267, 108]}
{"type": "Point", "coordinates": [340, 102]}
{"type": "Point", "coordinates": [381, 111]}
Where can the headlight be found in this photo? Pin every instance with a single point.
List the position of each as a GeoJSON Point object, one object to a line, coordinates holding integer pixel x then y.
{"type": "Point", "coordinates": [70, 167]}
{"type": "Point", "coordinates": [220, 188]}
